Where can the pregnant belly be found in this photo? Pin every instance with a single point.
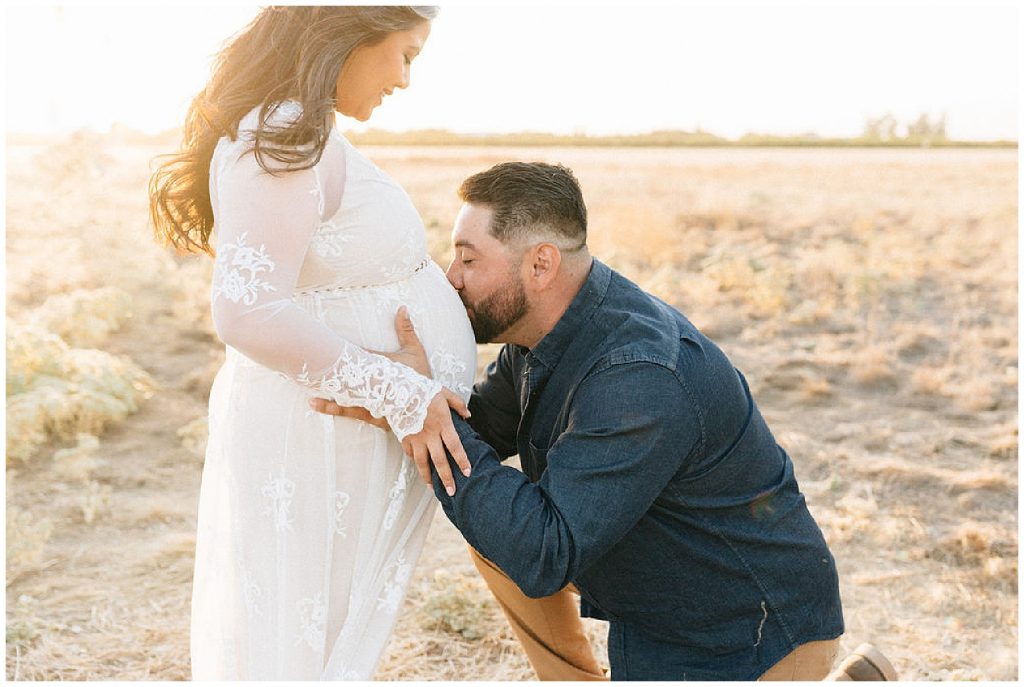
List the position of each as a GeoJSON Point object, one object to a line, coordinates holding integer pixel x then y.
{"type": "Point", "coordinates": [366, 317]}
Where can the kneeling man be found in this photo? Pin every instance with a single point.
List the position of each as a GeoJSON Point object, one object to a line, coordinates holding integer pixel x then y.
{"type": "Point", "coordinates": [650, 481]}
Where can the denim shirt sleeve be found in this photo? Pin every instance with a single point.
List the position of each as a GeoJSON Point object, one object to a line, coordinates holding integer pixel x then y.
{"type": "Point", "coordinates": [495, 405]}
{"type": "Point", "coordinates": [630, 428]}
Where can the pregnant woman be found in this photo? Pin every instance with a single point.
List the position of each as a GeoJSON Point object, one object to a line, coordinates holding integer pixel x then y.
{"type": "Point", "coordinates": [309, 525]}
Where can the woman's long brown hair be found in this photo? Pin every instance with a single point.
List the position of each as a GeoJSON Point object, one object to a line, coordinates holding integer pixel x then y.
{"type": "Point", "coordinates": [285, 53]}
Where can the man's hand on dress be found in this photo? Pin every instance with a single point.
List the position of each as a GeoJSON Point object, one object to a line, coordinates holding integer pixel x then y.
{"type": "Point", "coordinates": [428, 445]}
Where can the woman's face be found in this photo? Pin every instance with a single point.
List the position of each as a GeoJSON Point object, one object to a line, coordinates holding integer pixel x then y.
{"type": "Point", "coordinates": [373, 71]}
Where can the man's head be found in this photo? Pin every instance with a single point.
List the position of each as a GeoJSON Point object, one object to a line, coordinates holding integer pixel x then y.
{"type": "Point", "coordinates": [520, 242]}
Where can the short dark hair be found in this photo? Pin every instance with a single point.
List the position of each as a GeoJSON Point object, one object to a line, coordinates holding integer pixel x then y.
{"type": "Point", "coordinates": [527, 195]}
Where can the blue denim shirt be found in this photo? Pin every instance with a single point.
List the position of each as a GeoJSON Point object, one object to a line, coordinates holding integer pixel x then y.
{"type": "Point", "coordinates": [651, 482]}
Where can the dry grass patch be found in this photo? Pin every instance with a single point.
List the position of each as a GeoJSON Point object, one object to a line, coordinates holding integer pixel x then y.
{"type": "Point", "coordinates": [930, 381]}
{"type": "Point", "coordinates": [872, 367]}
{"type": "Point", "coordinates": [797, 262]}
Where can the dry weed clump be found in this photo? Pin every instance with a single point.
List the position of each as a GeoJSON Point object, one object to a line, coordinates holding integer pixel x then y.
{"type": "Point", "coordinates": [987, 547]}
{"type": "Point", "coordinates": [78, 462]}
{"type": "Point", "coordinates": [26, 538]}
{"type": "Point", "coordinates": [55, 392]}
{"type": "Point", "coordinates": [930, 381]}
{"type": "Point", "coordinates": [1004, 443]}
{"type": "Point", "coordinates": [763, 287]}
{"type": "Point", "coordinates": [194, 435]}
{"type": "Point", "coordinates": [852, 516]}
{"type": "Point", "coordinates": [83, 318]}
{"type": "Point", "coordinates": [815, 388]}
{"type": "Point", "coordinates": [95, 500]}
{"type": "Point", "coordinates": [974, 395]}
{"type": "Point", "coordinates": [919, 342]}
{"type": "Point", "coordinates": [872, 366]}
{"type": "Point", "coordinates": [190, 282]}
{"type": "Point", "coordinates": [819, 276]}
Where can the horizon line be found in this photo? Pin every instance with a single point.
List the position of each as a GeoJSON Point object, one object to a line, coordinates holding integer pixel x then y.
{"type": "Point", "coordinates": [699, 135]}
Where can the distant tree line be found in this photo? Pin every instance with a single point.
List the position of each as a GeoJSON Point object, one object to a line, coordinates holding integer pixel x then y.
{"type": "Point", "coordinates": [923, 131]}
{"type": "Point", "coordinates": [883, 132]}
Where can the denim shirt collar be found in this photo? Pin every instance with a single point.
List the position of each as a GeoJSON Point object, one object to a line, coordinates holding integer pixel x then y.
{"type": "Point", "coordinates": [548, 352]}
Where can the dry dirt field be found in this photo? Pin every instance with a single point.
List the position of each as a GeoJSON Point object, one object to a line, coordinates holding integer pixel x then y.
{"type": "Point", "coordinates": [870, 296]}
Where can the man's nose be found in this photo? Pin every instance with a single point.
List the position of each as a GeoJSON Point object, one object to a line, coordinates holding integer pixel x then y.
{"type": "Point", "coordinates": [454, 278]}
{"type": "Point", "coordinates": [406, 76]}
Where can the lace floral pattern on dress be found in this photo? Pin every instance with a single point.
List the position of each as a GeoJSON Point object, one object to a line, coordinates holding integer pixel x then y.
{"type": "Point", "coordinates": [237, 270]}
{"type": "Point", "coordinates": [251, 592]}
{"type": "Point", "coordinates": [312, 621]}
{"type": "Point", "coordinates": [382, 387]}
{"type": "Point", "coordinates": [449, 370]}
{"type": "Point", "coordinates": [341, 500]}
{"type": "Point", "coordinates": [328, 242]}
{"type": "Point", "coordinates": [279, 490]}
{"type": "Point", "coordinates": [398, 574]}
{"type": "Point", "coordinates": [395, 498]}
{"type": "Point", "coordinates": [402, 261]}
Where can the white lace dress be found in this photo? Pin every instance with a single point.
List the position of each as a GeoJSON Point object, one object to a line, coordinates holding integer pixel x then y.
{"type": "Point", "coordinates": [309, 525]}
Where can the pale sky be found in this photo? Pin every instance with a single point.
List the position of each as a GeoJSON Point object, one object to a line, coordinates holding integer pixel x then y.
{"type": "Point", "coordinates": [727, 67]}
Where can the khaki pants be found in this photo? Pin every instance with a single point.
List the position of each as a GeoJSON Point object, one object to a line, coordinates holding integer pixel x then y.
{"type": "Point", "coordinates": [810, 661]}
{"type": "Point", "coordinates": [549, 628]}
{"type": "Point", "coordinates": [556, 646]}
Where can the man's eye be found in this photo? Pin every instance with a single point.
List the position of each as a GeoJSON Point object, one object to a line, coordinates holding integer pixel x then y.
{"type": "Point", "coordinates": [408, 60]}
{"type": "Point", "coordinates": [466, 262]}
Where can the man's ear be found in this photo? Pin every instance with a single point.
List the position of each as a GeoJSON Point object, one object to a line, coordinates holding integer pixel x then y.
{"type": "Point", "coordinates": [546, 259]}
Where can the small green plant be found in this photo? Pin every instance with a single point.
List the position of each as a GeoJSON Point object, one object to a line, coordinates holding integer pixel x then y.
{"type": "Point", "coordinates": [460, 604]}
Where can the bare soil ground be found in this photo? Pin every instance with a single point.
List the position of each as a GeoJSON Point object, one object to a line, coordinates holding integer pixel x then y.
{"type": "Point", "coordinates": [870, 296]}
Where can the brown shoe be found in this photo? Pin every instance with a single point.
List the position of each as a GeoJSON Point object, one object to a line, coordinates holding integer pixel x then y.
{"type": "Point", "coordinates": [866, 664]}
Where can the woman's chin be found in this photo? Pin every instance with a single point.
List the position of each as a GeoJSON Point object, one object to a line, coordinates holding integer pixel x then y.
{"type": "Point", "coordinates": [361, 116]}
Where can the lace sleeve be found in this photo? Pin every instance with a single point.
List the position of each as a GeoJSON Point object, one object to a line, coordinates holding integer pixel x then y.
{"type": "Point", "coordinates": [264, 225]}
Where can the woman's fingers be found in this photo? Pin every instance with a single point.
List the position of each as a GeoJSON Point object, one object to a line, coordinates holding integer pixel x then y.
{"type": "Point", "coordinates": [456, 403]}
{"type": "Point", "coordinates": [428, 445]}
{"type": "Point", "coordinates": [440, 460]}
{"type": "Point", "coordinates": [420, 456]}
{"type": "Point", "coordinates": [410, 350]}
{"type": "Point", "coordinates": [454, 444]}
{"type": "Point", "coordinates": [322, 405]}
{"type": "Point", "coordinates": [406, 332]}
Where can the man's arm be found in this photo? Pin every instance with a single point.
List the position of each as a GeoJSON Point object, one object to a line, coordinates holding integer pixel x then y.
{"type": "Point", "coordinates": [630, 429]}
{"type": "Point", "coordinates": [495, 405]}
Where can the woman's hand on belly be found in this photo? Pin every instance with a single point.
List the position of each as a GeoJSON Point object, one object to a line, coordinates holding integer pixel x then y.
{"type": "Point", "coordinates": [322, 405]}
{"type": "Point", "coordinates": [438, 433]}
{"type": "Point", "coordinates": [410, 352]}
{"type": "Point", "coordinates": [426, 447]}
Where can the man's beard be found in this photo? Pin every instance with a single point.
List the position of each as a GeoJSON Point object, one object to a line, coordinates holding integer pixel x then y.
{"type": "Point", "coordinates": [499, 311]}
